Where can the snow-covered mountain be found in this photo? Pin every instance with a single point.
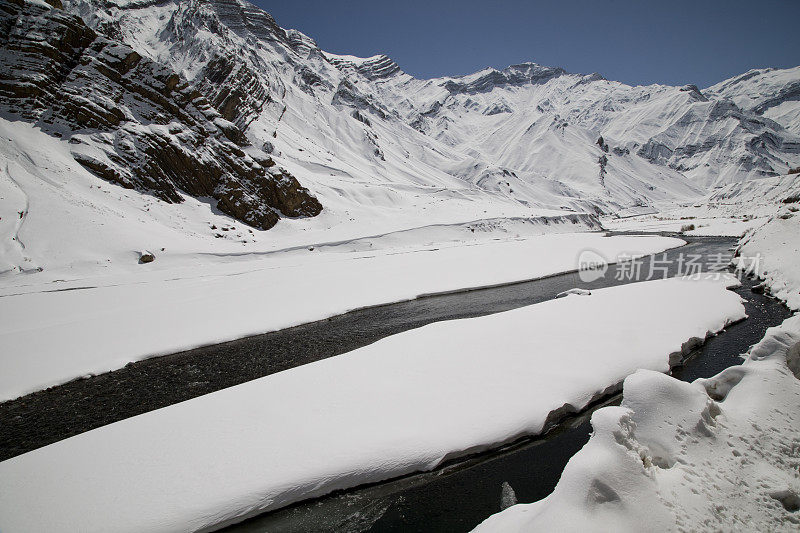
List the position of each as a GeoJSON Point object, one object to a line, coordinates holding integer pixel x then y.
{"type": "Point", "coordinates": [528, 133]}
{"type": "Point", "coordinates": [771, 93]}
{"type": "Point", "coordinates": [212, 103]}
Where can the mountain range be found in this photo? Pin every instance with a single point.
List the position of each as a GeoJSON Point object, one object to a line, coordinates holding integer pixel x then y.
{"type": "Point", "coordinates": [213, 99]}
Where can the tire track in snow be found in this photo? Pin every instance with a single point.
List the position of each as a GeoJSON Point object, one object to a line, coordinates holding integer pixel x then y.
{"type": "Point", "coordinates": [20, 221]}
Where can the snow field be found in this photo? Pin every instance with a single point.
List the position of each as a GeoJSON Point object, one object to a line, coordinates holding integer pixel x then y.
{"type": "Point", "coordinates": [772, 252]}
{"type": "Point", "coordinates": [400, 405]}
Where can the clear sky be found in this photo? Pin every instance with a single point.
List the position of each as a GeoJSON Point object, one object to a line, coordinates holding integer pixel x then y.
{"type": "Point", "coordinates": [637, 42]}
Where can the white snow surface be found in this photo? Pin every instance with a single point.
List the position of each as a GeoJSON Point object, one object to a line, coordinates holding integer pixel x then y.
{"type": "Point", "coordinates": [772, 252]}
{"type": "Point", "coordinates": [75, 225]}
{"type": "Point", "coordinates": [718, 454]}
{"type": "Point", "coordinates": [69, 268]}
{"type": "Point", "coordinates": [403, 404]}
{"type": "Point", "coordinates": [732, 210]}
{"type": "Point", "coordinates": [771, 92]}
{"type": "Point", "coordinates": [46, 327]}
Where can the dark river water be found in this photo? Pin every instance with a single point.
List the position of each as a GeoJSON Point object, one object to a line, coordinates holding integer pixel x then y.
{"type": "Point", "coordinates": [461, 494]}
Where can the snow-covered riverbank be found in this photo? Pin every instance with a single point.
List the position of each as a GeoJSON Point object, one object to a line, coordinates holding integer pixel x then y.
{"type": "Point", "coordinates": [403, 404]}
{"type": "Point", "coordinates": [46, 327]}
{"type": "Point", "coordinates": [772, 252]}
{"type": "Point", "coordinates": [717, 454]}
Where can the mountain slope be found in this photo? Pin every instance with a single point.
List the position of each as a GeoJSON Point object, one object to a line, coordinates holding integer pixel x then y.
{"type": "Point", "coordinates": [769, 92]}
{"type": "Point", "coordinates": [527, 132]}
{"type": "Point", "coordinates": [134, 122]}
{"type": "Point", "coordinates": [206, 98]}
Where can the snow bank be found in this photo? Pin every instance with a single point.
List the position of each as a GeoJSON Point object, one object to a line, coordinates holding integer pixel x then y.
{"type": "Point", "coordinates": [52, 333]}
{"type": "Point", "coordinates": [718, 454]}
{"type": "Point", "coordinates": [721, 226]}
{"type": "Point", "coordinates": [772, 252]}
{"type": "Point", "coordinates": [400, 405]}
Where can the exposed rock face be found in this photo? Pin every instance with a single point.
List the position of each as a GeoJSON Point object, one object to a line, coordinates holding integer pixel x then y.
{"type": "Point", "coordinates": [234, 90]}
{"type": "Point", "coordinates": [146, 257]}
{"type": "Point", "coordinates": [237, 82]}
{"type": "Point", "coordinates": [348, 95]}
{"type": "Point", "coordinates": [513, 75]}
{"type": "Point", "coordinates": [373, 68]}
{"type": "Point", "coordinates": [230, 84]}
{"type": "Point", "coordinates": [134, 122]}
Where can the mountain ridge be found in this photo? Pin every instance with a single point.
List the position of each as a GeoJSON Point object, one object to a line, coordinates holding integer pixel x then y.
{"type": "Point", "coordinates": [380, 72]}
{"type": "Point", "coordinates": [523, 137]}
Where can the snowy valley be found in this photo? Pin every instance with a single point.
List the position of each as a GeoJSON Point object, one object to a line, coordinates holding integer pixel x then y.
{"type": "Point", "coordinates": [181, 179]}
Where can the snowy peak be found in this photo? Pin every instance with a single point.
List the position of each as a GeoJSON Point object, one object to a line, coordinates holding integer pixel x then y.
{"type": "Point", "coordinates": [523, 136]}
{"type": "Point", "coordinates": [772, 93]}
{"type": "Point", "coordinates": [756, 83]}
{"type": "Point", "coordinates": [694, 92]}
{"type": "Point", "coordinates": [372, 68]}
{"type": "Point", "coordinates": [488, 79]}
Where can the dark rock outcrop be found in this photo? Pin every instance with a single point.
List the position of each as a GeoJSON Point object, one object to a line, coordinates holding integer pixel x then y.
{"type": "Point", "coordinates": [603, 162]}
{"type": "Point", "coordinates": [233, 89]}
{"type": "Point", "coordinates": [134, 122]}
{"type": "Point", "coordinates": [525, 73]}
{"type": "Point", "coordinates": [146, 257]}
{"type": "Point", "coordinates": [348, 95]}
{"type": "Point", "coordinates": [372, 68]}
{"type": "Point", "coordinates": [377, 68]}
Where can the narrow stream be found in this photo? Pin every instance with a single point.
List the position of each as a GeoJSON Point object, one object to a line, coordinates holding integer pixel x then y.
{"type": "Point", "coordinates": [461, 494]}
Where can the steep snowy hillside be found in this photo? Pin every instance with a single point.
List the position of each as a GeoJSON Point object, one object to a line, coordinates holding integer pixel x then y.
{"type": "Point", "coordinates": [206, 98]}
{"type": "Point", "coordinates": [132, 121]}
{"type": "Point", "coordinates": [528, 133]}
{"type": "Point", "coordinates": [322, 116]}
{"type": "Point", "coordinates": [772, 93]}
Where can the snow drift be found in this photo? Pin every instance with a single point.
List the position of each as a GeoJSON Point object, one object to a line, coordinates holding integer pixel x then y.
{"type": "Point", "coordinates": [715, 454]}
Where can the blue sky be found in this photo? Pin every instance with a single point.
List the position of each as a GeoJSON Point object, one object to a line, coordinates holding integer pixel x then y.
{"type": "Point", "coordinates": [637, 42]}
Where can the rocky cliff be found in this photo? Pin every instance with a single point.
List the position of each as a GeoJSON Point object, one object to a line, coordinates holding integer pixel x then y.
{"type": "Point", "coordinates": [137, 123]}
